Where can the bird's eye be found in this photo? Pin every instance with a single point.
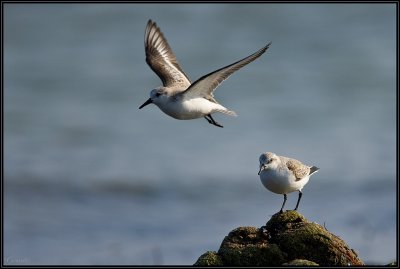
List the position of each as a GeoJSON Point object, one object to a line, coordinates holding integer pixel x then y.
{"type": "Point", "coordinates": [269, 161]}
{"type": "Point", "coordinates": [158, 94]}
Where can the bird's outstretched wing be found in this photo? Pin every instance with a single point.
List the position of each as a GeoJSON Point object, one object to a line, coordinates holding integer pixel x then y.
{"type": "Point", "coordinates": [161, 59]}
{"type": "Point", "coordinates": [205, 86]}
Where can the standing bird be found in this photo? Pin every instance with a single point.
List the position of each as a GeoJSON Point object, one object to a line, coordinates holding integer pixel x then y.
{"type": "Point", "coordinates": [178, 97]}
{"type": "Point", "coordinates": [283, 175]}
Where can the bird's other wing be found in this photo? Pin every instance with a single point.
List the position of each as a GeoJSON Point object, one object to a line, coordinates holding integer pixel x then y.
{"type": "Point", "coordinates": [205, 86]}
{"type": "Point", "coordinates": [161, 59]}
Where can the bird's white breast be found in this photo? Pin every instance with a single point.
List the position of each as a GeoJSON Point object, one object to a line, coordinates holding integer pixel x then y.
{"type": "Point", "coordinates": [188, 109]}
{"type": "Point", "coordinates": [279, 181]}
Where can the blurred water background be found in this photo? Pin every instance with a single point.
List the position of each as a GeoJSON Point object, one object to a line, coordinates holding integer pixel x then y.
{"type": "Point", "coordinates": [90, 179]}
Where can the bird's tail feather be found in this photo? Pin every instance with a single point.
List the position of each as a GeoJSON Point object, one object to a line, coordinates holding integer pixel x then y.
{"type": "Point", "coordinates": [313, 170]}
{"type": "Point", "coordinates": [227, 112]}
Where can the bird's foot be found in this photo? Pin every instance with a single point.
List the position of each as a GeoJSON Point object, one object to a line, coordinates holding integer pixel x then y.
{"type": "Point", "coordinates": [212, 121]}
{"type": "Point", "coordinates": [217, 124]}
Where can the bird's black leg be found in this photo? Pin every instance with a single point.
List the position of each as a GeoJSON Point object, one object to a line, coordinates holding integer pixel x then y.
{"type": "Point", "coordinates": [284, 201]}
{"type": "Point", "coordinates": [298, 200]}
{"type": "Point", "coordinates": [209, 121]}
{"type": "Point", "coordinates": [212, 121]}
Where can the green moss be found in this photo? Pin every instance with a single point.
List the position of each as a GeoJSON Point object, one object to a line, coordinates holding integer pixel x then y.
{"type": "Point", "coordinates": [282, 221]}
{"type": "Point", "coordinates": [210, 258]}
{"type": "Point", "coordinates": [247, 246]}
{"type": "Point", "coordinates": [289, 216]}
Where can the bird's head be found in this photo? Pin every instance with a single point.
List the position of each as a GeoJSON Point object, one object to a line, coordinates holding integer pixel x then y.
{"type": "Point", "coordinates": [268, 160]}
{"type": "Point", "coordinates": [157, 96]}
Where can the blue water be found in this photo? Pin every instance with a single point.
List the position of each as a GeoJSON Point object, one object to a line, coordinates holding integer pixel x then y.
{"type": "Point", "coordinates": [90, 179]}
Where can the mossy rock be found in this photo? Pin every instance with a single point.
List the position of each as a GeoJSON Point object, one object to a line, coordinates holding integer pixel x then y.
{"type": "Point", "coordinates": [300, 262]}
{"type": "Point", "coordinates": [247, 246]}
{"type": "Point", "coordinates": [302, 239]}
{"type": "Point", "coordinates": [287, 238]}
{"type": "Point", "coordinates": [393, 263]}
{"type": "Point", "coordinates": [210, 258]}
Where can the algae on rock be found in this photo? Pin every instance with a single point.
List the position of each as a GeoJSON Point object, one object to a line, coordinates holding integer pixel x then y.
{"type": "Point", "coordinates": [210, 258]}
{"type": "Point", "coordinates": [287, 238]}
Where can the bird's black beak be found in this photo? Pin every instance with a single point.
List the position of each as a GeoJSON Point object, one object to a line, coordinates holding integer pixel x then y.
{"type": "Point", "coordinates": [149, 101]}
{"type": "Point", "coordinates": [261, 168]}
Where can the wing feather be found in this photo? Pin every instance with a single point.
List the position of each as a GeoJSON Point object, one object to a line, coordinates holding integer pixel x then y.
{"type": "Point", "coordinates": [205, 86]}
{"type": "Point", "coordinates": [299, 170]}
{"type": "Point", "coordinates": [161, 59]}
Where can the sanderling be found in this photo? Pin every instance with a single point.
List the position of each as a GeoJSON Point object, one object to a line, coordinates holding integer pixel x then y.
{"type": "Point", "coordinates": [178, 97]}
{"type": "Point", "coordinates": [283, 175]}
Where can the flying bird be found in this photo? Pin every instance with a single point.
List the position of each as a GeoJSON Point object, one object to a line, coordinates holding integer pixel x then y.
{"type": "Point", "coordinates": [179, 97]}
